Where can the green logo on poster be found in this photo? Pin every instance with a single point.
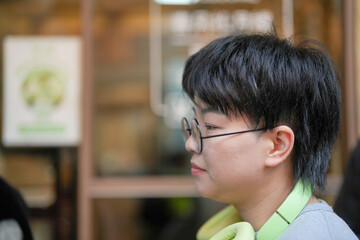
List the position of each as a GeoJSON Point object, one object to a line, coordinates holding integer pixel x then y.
{"type": "Point", "coordinates": [43, 89]}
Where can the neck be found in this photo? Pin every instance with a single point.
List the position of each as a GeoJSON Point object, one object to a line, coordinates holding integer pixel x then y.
{"type": "Point", "coordinates": [260, 208]}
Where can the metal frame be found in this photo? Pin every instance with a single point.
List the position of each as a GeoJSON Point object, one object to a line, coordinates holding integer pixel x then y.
{"type": "Point", "coordinates": [84, 207]}
{"type": "Point", "coordinates": [90, 187]}
{"type": "Point", "coordinates": [349, 77]}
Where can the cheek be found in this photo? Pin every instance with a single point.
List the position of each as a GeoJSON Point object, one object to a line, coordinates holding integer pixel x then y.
{"type": "Point", "coordinates": [224, 166]}
{"type": "Point", "coordinates": [241, 159]}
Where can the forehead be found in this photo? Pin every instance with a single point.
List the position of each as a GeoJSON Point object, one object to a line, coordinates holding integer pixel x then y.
{"type": "Point", "coordinates": [202, 108]}
{"type": "Point", "coordinates": [206, 109]}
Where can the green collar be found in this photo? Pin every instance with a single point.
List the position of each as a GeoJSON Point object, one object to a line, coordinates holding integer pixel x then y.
{"type": "Point", "coordinates": [229, 218]}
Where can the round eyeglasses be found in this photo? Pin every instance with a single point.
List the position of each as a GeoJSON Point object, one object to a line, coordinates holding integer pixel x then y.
{"type": "Point", "coordinates": [195, 132]}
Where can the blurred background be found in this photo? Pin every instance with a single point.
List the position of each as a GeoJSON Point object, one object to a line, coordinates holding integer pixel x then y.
{"type": "Point", "coordinates": [91, 105]}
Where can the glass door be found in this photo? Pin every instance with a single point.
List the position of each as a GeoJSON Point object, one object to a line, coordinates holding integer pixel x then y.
{"type": "Point", "coordinates": [134, 176]}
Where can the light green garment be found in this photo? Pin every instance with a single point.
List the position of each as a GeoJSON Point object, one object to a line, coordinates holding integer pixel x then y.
{"type": "Point", "coordinates": [219, 221]}
{"type": "Point", "coordinates": [227, 224]}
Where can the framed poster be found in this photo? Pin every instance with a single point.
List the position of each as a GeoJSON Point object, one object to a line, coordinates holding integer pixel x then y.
{"type": "Point", "coordinates": [41, 91]}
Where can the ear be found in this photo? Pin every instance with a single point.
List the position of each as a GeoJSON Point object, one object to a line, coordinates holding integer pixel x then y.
{"type": "Point", "coordinates": [282, 138]}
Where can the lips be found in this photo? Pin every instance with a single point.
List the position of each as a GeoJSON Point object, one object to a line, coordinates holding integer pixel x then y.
{"type": "Point", "coordinates": [196, 170]}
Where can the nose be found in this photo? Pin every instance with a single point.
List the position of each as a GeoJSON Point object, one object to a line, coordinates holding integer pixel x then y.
{"type": "Point", "coordinates": [190, 145]}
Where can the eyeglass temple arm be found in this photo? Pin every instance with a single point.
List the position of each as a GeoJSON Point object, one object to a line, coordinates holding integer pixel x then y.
{"type": "Point", "coordinates": [226, 134]}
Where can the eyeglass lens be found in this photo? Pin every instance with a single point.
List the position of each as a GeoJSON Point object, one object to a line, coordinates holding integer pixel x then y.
{"type": "Point", "coordinates": [185, 128]}
{"type": "Point", "coordinates": [194, 131]}
{"type": "Point", "coordinates": [195, 127]}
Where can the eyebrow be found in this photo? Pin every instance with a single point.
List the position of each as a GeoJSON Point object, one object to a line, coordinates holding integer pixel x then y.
{"type": "Point", "coordinates": [209, 110]}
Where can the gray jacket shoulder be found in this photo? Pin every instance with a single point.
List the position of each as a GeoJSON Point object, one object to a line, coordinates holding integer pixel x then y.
{"type": "Point", "coordinates": [318, 221]}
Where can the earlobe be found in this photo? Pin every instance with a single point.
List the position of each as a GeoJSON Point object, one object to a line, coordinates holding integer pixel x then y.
{"type": "Point", "coordinates": [282, 138]}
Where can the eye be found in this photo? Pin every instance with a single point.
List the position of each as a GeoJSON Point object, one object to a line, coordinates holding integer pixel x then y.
{"type": "Point", "coordinates": [210, 127]}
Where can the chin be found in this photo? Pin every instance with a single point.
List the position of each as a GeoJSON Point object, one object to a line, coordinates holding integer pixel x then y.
{"type": "Point", "coordinates": [217, 196]}
{"type": "Point", "coordinates": [207, 191]}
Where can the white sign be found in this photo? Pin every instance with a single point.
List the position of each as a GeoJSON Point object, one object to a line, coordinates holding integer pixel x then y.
{"type": "Point", "coordinates": [41, 91]}
{"type": "Point", "coordinates": [220, 21]}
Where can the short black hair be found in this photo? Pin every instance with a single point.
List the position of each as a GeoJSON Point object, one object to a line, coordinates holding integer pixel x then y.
{"type": "Point", "coordinates": [273, 81]}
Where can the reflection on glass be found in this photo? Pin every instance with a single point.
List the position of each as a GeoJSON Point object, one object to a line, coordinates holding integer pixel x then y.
{"type": "Point", "coordinates": [137, 133]}
{"type": "Point", "coordinates": [140, 48]}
